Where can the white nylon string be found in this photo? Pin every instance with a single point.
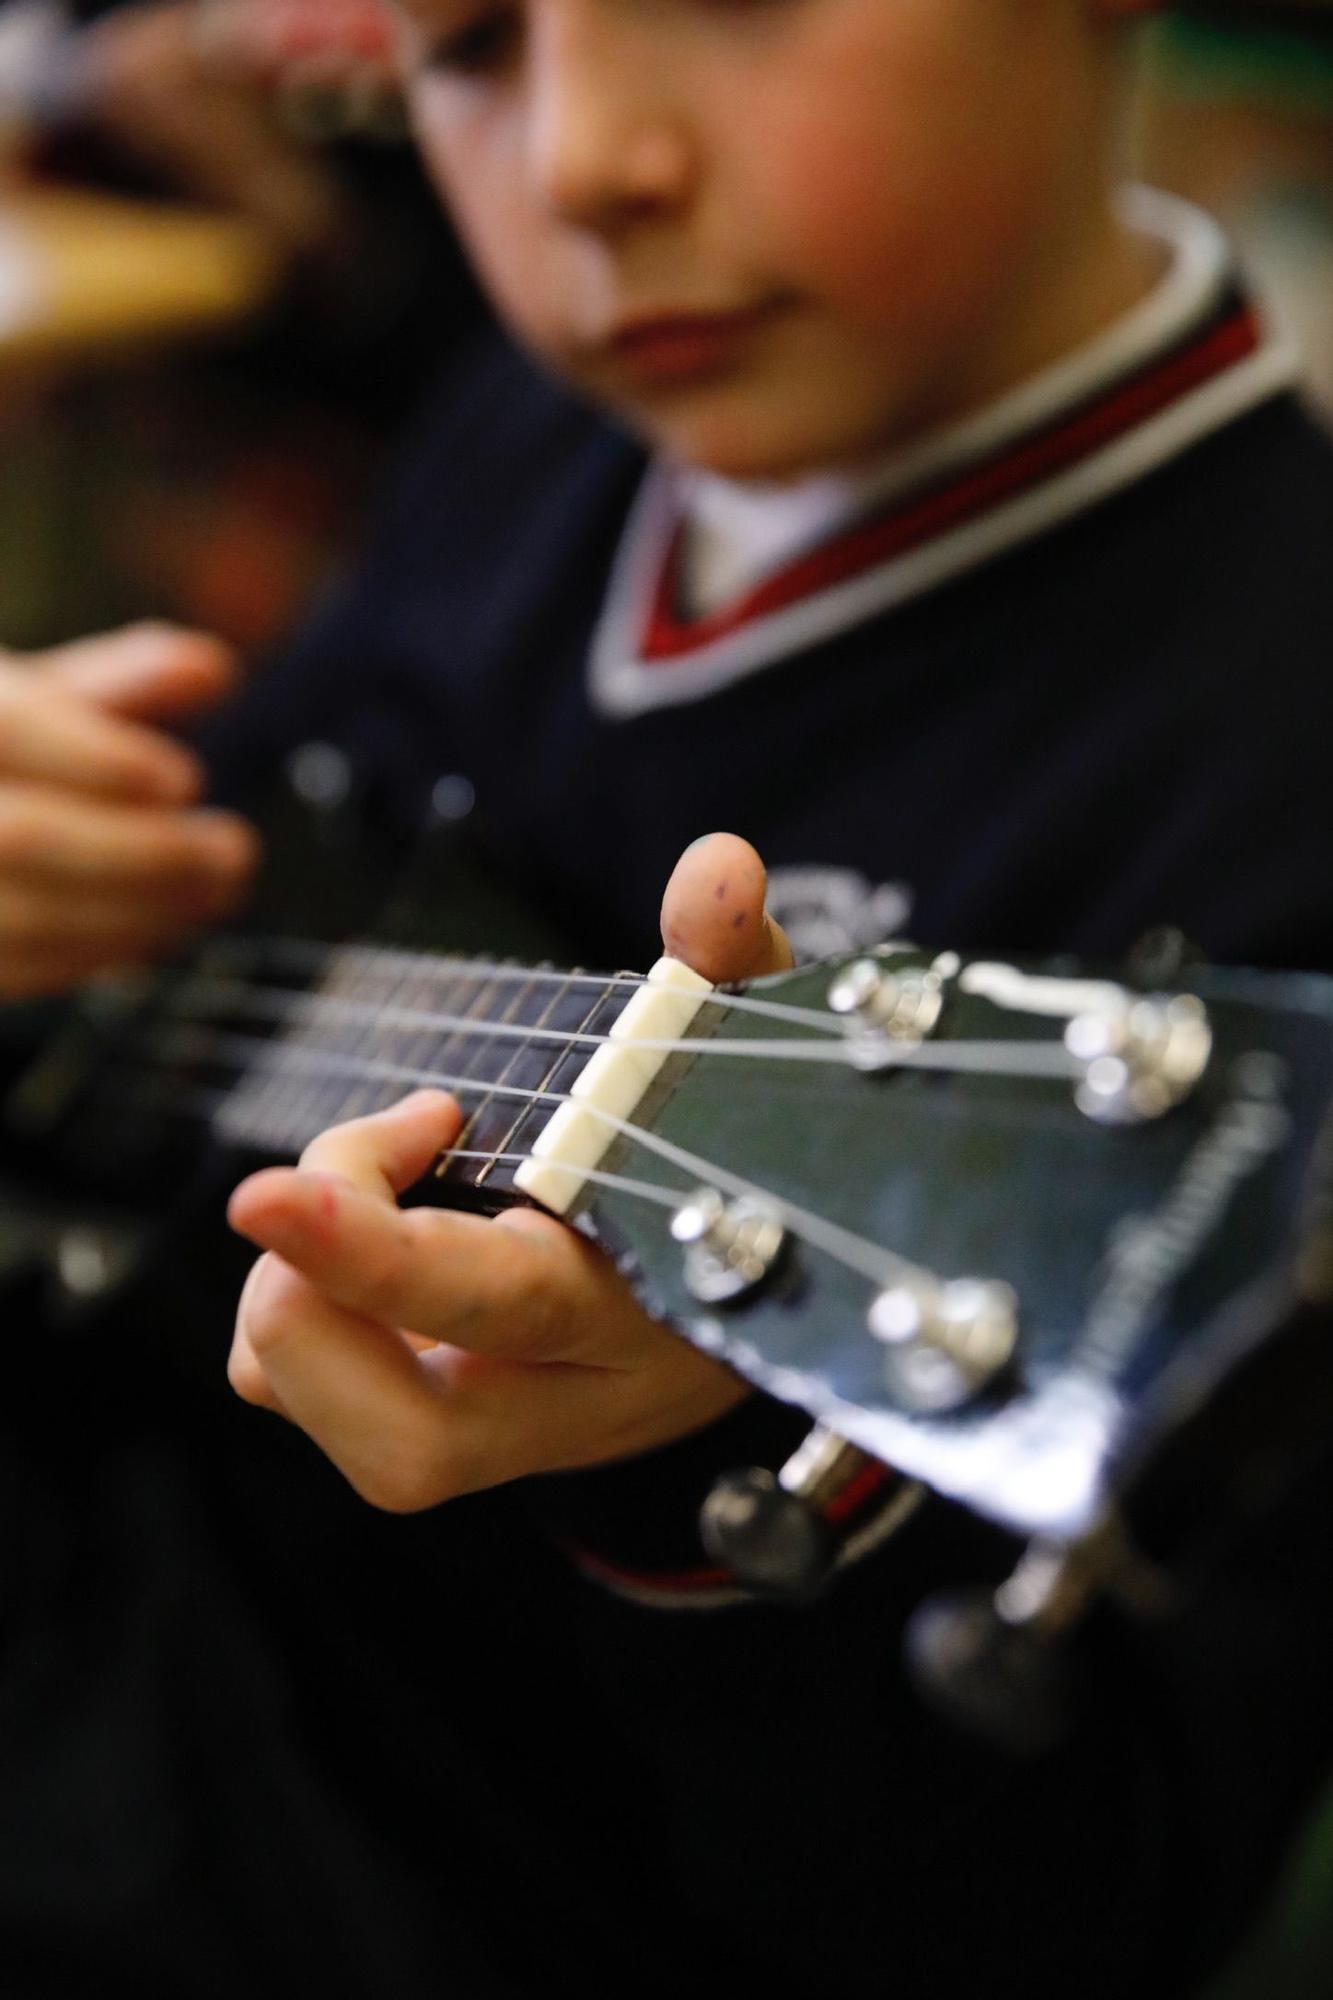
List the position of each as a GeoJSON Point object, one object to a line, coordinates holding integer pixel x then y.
{"type": "Point", "coordinates": [1009, 1059]}
{"type": "Point", "coordinates": [307, 958]}
{"type": "Point", "coordinates": [855, 1252]}
{"type": "Point", "coordinates": [208, 1104]}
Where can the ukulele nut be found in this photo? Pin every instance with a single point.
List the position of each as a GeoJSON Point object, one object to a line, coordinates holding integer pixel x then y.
{"type": "Point", "coordinates": [730, 1247]}
{"type": "Point", "coordinates": [882, 1008]}
{"type": "Point", "coordinates": [945, 1342]}
{"type": "Point", "coordinates": [1139, 1059]}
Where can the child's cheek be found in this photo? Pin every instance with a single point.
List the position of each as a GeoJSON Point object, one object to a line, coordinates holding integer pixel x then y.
{"type": "Point", "coordinates": [891, 240]}
{"type": "Point", "coordinates": [851, 239]}
{"type": "Point", "coordinates": [543, 288]}
{"type": "Point", "coordinates": [475, 164]}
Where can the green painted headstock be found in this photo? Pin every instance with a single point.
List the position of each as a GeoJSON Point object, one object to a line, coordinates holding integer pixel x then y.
{"type": "Point", "coordinates": [1022, 1230]}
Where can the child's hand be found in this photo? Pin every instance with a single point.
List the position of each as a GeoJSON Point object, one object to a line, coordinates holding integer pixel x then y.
{"type": "Point", "coordinates": [432, 1353]}
{"type": "Point", "coordinates": [191, 89]}
{"type": "Point", "coordinates": [104, 862]}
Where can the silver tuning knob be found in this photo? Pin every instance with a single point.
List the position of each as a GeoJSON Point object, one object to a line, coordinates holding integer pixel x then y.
{"type": "Point", "coordinates": [883, 1007]}
{"type": "Point", "coordinates": [946, 1342]}
{"type": "Point", "coordinates": [1140, 1059]}
{"type": "Point", "coordinates": [774, 1530]}
{"type": "Point", "coordinates": [730, 1247]}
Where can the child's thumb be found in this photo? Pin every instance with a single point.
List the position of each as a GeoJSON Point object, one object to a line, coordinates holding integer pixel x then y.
{"type": "Point", "coordinates": [713, 915]}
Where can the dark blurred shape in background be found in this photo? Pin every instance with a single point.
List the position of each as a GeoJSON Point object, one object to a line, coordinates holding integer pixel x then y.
{"type": "Point", "coordinates": [182, 435]}
{"type": "Point", "coordinates": [1238, 116]}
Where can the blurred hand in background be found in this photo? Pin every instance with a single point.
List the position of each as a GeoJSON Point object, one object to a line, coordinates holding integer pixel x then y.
{"type": "Point", "coordinates": [216, 97]}
{"type": "Point", "coordinates": [106, 858]}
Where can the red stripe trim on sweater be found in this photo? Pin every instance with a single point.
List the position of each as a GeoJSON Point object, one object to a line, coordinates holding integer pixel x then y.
{"type": "Point", "coordinates": [1005, 478]}
{"type": "Point", "coordinates": [649, 1579]}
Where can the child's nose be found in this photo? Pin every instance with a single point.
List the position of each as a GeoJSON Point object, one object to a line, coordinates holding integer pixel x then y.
{"type": "Point", "coordinates": [605, 148]}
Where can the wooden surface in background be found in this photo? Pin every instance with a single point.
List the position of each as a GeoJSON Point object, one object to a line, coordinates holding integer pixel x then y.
{"type": "Point", "coordinates": [86, 276]}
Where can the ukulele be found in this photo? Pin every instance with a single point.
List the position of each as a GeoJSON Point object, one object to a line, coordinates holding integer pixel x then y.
{"type": "Point", "coordinates": [1054, 1247]}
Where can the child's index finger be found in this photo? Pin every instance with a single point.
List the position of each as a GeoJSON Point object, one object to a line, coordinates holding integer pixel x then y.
{"type": "Point", "coordinates": [354, 1246]}
{"type": "Point", "coordinates": [447, 1276]}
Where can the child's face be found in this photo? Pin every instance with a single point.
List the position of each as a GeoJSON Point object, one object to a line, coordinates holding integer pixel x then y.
{"type": "Point", "coordinates": [771, 234]}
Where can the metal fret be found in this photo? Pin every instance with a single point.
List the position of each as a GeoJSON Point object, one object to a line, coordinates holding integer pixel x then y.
{"type": "Point", "coordinates": [474, 1062]}
{"type": "Point", "coordinates": [285, 1101]}
{"type": "Point", "coordinates": [475, 1131]}
{"type": "Point", "coordinates": [532, 1066]}
{"type": "Point", "coordinates": [284, 1104]}
{"type": "Point", "coordinates": [380, 984]}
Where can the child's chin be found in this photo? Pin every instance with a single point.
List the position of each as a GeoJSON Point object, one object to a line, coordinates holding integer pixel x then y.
{"type": "Point", "coordinates": [766, 448]}
{"type": "Point", "coordinates": [772, 438]}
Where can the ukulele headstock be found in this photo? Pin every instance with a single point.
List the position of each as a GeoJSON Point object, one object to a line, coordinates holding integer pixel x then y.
{"type": "Point", "coordinates": [1011, 1231]}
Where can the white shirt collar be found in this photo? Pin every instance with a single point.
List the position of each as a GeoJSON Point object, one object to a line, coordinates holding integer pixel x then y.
{"type": "Point", "coordinates": [739, 534]}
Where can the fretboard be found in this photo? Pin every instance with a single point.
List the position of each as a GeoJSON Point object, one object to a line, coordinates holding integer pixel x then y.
{"type": "Point", "coordinates": [508, 1041]}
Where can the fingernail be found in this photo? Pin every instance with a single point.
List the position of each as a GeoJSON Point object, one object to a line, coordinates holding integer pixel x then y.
{"type": "Point", "coordinates": [429, 1092]}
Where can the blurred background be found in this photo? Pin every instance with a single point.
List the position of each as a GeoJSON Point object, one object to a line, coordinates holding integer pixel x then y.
{"type": "Point", "coordinates": [223, 284]}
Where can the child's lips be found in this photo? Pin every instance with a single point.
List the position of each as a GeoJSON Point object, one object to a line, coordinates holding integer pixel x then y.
{"type": "Point", "coordinates": [670, 347]}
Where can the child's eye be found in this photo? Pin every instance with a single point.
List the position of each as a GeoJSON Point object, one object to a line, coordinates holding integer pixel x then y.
{"type": "Point", "coordinates": [478, 48]}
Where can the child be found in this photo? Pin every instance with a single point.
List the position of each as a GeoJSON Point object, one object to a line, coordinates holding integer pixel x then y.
{"type": "Point", "coordinates": [972, 554]}
{"type": "Point", "coordinates": [955, 557]}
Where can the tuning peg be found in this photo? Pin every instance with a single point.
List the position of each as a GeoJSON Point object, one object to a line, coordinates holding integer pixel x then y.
{"type": "Point", "coordinates": [1001, 1664]}
{"type": "Point", "coordinates": [1163, 955]}
{"type": "Point", "coordinates": [772, 1542]}
{"type": "Point", "coordinates": [997, 1662]}
{"type": "Point", "coordinates": [768, 1528]}
{"type": "Point", "coordinates": [1140, 1059]}
{"type": "Point", "coordinates": [945, 1342]}
{"type": "Point", "coordinates": [885, 1006]}
{"type": "Point", "coordinates": [1003, 1682]}
{"type": "Point", "coordinates": [730, 1247]}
